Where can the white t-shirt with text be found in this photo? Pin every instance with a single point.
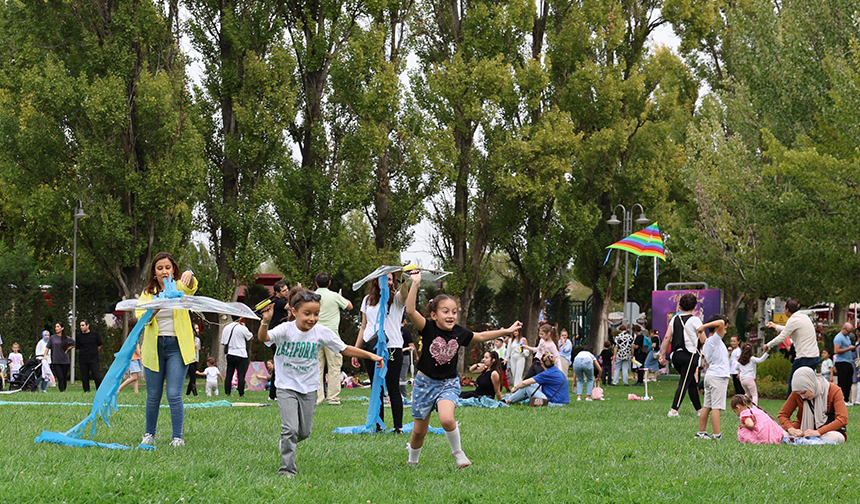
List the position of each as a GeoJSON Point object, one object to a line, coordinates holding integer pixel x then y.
{"type": "Point", "coordinates": [296, 359]}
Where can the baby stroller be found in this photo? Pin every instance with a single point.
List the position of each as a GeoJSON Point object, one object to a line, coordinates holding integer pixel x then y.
{"type": "Point", "coordinates": [27, 376]}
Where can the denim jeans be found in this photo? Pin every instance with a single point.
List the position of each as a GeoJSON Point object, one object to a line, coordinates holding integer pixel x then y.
{"type": "Point", "coordinates": [524, 393]}
{"type": "Point", "coordinates": [172, 371]}
{"type": "Point", "coordinates": [583, 368]}
{"type": "Point", "coordinates": [799, 362]}
{"type": "Point", "coordinates": [624, 367]}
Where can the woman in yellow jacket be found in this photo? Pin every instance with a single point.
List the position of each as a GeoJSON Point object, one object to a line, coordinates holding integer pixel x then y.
{"type": "Point", "coordinates": [167, 349]}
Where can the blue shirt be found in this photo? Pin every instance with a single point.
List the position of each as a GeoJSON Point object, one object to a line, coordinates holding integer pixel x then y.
{"type": "Point", "coordinates": [843, 341]}
{"type": "Point", "coordinates": [565, 350]}
{"type": "Point", "coordinates": [554, 385]}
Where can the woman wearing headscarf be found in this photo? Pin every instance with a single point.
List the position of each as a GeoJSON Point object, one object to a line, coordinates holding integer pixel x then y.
{"type": "Point", "coordinates": [820, 407]}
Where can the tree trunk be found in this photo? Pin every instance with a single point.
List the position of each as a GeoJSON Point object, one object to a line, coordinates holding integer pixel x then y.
{"type": "Point", "coordinates": [532, 302]}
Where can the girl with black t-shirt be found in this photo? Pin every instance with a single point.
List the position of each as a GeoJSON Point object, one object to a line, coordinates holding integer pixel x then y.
{"type": "Point", "coordinates": [488, 383]}
{"type": "Point", "coordinates": [437, 385]}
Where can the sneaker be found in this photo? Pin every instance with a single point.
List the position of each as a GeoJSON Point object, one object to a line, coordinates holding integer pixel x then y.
{"type": "Point", "coordinates": [589, 399]}
{"type": "Point", "coordinates": [411, 464]}
{"type": "Point", "coordinates": [717, 436]}
{"type": "Point", "coordinates": [672, 414]}
{"type": "Point", "coordinates": [177, 442]}
{"type": "Point", "coordinates": [461, 459]}
{"type": "Point", "coordinates": [578, 398]}
{"type": "Point", "coordinates": [702, 435]}
{"type": "Point", "coordinates": [148, 439]}
{"type": "Point", "coordinates": [398, 431]}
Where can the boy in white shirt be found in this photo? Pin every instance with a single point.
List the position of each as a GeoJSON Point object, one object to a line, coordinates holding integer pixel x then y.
{"type": "Point", "coordinates": [717, 377]}
{"type": "Point", "coordinates": [297, 345]}
{"type": "Point", "coordinates": [212, 374]}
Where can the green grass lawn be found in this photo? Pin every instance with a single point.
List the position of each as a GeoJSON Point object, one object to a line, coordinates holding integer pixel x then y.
{"type": "Point", "coordinates": [610, 451]}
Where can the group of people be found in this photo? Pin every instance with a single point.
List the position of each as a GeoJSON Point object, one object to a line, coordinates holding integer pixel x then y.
{"type": "Point", "coordinates": [53, 351]}
{"type": "Point", "coordinates": [819, 405]}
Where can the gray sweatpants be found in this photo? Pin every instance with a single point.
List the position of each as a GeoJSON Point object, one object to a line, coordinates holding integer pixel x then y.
{"type": "Point", "coordinates": [297, 420]}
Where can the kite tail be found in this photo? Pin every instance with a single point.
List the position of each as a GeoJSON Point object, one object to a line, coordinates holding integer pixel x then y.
{"type": "Point", "coordinates": [636, 269]}
{"type": "Point", "coordinates": [105, 400]}
{"type": "Point", "coordinates": [373, 418]}
{"type": "Point", "coordinates": [607, 257]}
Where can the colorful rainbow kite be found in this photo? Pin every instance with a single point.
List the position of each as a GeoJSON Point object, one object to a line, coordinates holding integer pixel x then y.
{"type": "Point", "coordinates": [645, 242]}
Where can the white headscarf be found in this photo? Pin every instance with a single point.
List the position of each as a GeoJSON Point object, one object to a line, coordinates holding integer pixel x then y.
{"type": "Point", "coordinates": [815, 416]}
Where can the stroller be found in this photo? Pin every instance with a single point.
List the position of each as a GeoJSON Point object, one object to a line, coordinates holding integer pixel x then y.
{"type": "Point", "coordinates": [27, 376]}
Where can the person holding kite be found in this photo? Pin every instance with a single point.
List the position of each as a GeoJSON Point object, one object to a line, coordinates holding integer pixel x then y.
{"type": "Point", "coordinates": [370, 307]}
{"type": "Point", "coordinates": [167, 348]}
{"type": "Point", "coordinates": [437, 385]}
{"type": "Point", "coordinates": [297, 344]}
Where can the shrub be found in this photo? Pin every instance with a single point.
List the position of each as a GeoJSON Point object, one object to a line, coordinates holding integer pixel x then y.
{"type": "Point", "coordinates": [768, 388]}
{"type": "Point", "coordinates": [776, 367]}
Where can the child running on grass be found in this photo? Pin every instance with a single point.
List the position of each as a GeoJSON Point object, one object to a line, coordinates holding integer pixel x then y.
{"type": "Point", "coordinates": [297, 344]}
{"type": "Point", "coordinates": [756, 425]}
{"type": "Point", "coordinates": [747, 364]}
{"type": "Point", "coordinates": [436, 384]}
{"type": "Point", "coordinates": [212, 374]}
{"type": "Point", "coordinates": [717, 376]}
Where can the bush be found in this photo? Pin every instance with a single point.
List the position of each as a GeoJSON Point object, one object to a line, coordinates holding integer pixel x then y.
{"type": "Point", "coordinates": [768, 388]}
{"type": "Point", "coordinates": [776, 367]}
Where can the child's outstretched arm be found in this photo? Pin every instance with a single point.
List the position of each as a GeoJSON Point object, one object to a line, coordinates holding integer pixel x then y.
{"type": "Point", "coordinates": [480, 337]}
{"type": "Point", "coordinates": [351, 351]}
{"type": "Point", "coordinates": [412, 299]}
{"type": "Point", "coordinates": [200, 373]}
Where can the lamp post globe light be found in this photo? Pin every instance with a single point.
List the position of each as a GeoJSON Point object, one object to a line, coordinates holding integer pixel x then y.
{"type": "Point", "coordinates": [627, 230]}
{"type": "Point", "coordinates": [79, 214]}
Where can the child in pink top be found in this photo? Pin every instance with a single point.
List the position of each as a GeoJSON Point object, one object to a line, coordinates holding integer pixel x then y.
{"type": "Point", "coordinates": [756, 425]}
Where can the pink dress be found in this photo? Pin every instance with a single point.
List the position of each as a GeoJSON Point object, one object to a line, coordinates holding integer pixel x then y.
{"type": "Point", "coordinates": [764, 431]}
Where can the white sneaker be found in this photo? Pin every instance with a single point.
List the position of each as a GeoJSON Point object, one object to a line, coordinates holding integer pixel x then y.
{"type": "Point", "coordinates": [671, 414]}
{"type": "Point", "coordinates": [177, 442]}
{"type": "Point", "coordinates": [148, 439]}
{"type": "Point", "coordinates": [588, 399]}
{"type": "Point", "coordinates": [461, 459]}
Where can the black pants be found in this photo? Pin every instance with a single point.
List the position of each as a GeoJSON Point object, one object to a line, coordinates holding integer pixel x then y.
{"type": "Point", "coordinates": [844, 378]}
{"type": "Point", "coordinates": [685, 363]}
{"type": "Point", "coordinates": [192, 379]}
{"type": "Point", "coordinates": [88, 369]}
{"type": "Point", "coordinates": [736, 382]}
{"type": "Point", "coordinates": [239, 364]}
{"type": "Point", "coordinates": [61, 373]}
{"type": "Point", "coordinates": [392, 383]}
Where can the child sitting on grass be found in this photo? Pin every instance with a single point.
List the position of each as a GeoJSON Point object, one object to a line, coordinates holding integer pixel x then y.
{"type": "Point", "coordinates": [297, 344]}
{"type": "Point", "coordinates": [717, 376]}
{"type": "Point", "coordinates": [212, 374]}
{"type": "Point", "coordinates": [756, 425]}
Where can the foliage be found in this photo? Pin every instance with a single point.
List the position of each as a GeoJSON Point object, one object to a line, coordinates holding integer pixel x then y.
{"type": "Point", "coordinates": [94, 109]}
{"type": "Point", "coordinates": [776, 367]}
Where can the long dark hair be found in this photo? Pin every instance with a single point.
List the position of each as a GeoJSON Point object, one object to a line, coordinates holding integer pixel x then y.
{"type": "Point", "coordinates": [64, 340]}
{"type": "Point", "coordinates": [374, 292]}
{"type": "Point", "coordinates": [746, 355]}
{"type": "Point", "coordinates": [152, 286]}
{"type": "Point", "coordinates": [495, 364]}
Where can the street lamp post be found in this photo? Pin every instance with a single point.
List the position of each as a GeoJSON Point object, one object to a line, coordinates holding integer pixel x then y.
{"type": "Point", "coordinates": [79, 213]}
{"type": "Point", "coordinates": [627, 222]}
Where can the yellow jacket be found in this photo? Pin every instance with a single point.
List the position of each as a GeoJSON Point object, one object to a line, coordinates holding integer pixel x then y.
{"type": "Point", "coordinates": [181, 324]}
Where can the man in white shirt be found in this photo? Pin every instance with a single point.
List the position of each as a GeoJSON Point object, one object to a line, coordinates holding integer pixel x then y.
{"type": "Point", "coordinates": [331, 303]}
{"type": "Point", "coordinates": [799, 327]}
{"type": "Point", "coordinates": [235, 336]}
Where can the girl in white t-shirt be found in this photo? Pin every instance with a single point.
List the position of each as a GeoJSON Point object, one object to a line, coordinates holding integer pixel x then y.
{"type": "Point", "coordinates": [212, 374]}
{"type": "Point", "coordinates": [747, 364]}
{"type": "Point", "coordinates": [297, 344]}
{"type": "Point", "coordinates": [394, 339]}
{"type": "Point", "coordinates": [16, 360]}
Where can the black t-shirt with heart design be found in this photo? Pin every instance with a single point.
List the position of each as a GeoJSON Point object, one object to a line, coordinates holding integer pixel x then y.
{"type": "Point", "coordinates": [439, 356]}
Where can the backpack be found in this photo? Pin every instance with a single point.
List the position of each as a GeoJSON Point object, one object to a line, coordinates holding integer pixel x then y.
{"type": "Point", "coordinates": [646, 344]}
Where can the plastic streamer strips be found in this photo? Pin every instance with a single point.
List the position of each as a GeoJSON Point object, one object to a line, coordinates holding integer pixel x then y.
{"type": "Point", "coordinates": [378, 384]}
